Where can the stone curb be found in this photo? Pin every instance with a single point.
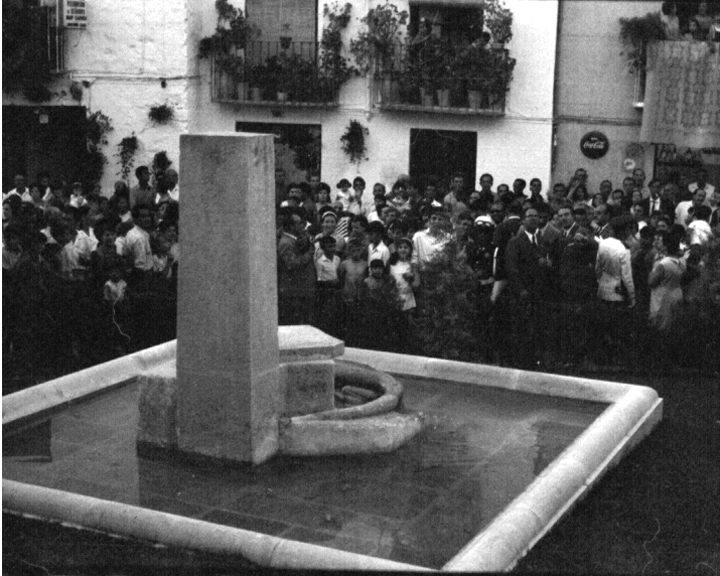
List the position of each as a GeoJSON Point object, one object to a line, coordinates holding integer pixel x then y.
{"type": "Point", "coordinates": [181, 532]}
{"type": "Point", "coordinates": [633, 412]}
{"type": "Point", "coordinates": [66, 389]}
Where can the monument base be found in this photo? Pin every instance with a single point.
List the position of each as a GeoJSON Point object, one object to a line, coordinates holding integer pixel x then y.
{"type": "Point", "coordinates": [309, 424]}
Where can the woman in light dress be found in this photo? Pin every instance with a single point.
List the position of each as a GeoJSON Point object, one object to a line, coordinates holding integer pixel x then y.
{"type": "Point", "coordinates": [666, 295]}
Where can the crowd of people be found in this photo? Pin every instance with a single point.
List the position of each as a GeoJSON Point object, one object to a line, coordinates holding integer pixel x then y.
{"type": "Point", "coordinates": [568, 278]}
{"type": "Point", "coordinates": [87, 277]}
{"type": "Point", "coordinates": [563, 278]}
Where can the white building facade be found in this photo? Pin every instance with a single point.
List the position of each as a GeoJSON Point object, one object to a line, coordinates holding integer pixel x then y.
{"type": "Point", "coordinates": [143, 53]}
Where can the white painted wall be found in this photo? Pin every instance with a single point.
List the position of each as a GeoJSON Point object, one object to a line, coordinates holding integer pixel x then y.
{"type": "Point", "coordinates": [130, 47]}
{"type": "Point", "coordinates": [517, 145]}
{"type": "Point", "coordinates": [595, 89]}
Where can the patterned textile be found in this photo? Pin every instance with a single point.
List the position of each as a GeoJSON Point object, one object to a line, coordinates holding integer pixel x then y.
{"type": "Point", "coordinates": [682, 95]}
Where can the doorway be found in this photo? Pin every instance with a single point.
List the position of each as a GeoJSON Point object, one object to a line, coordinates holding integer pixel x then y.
{"type": "Point", "coordinates": [36, 138]}
{"type": "Point", "coordinates": [440, 153]}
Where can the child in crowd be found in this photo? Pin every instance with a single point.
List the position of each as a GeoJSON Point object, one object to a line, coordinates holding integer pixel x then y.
{"type": "Point", "coordinates": [407, 280]}
{"type": "Point", "coordinates": [114, 312]}
{"type": "Point", "coordinates": [105, 257]}
{"type": "Point", "coordinates": [323, 197]}
{"type": "Point", "coordinates": [121, 231]}
{"type": "Point", "coordinates": [377, 249]}
{"type": "Point", "coordinates": [403, 271]}
{"type": "Point", "coordinates": [379, 303]}
{"type": "Point", "coordinates": [326, 290]}
{"type": "Point", "coordinates": [351, 274]}
{"type": "Point", "coordinates": [343, 195]}
{"type": "Point", "coordinates": [356, 205]}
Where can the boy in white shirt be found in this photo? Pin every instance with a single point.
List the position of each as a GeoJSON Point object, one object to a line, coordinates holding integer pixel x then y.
{"type": "Point", "coordinates": [326, 289]}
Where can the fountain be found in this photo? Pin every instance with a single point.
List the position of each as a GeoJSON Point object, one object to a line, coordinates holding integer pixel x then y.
{"type": "Point", "coordinates": [216, 447]}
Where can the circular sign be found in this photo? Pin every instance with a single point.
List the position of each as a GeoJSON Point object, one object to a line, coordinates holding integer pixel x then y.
{"type": "Point", "coordinates": [594, 145]}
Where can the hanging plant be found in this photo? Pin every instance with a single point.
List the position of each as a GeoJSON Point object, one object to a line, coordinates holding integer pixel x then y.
{"type": "Point", "coordinates": [354, 142]}
{"type": "Point", "coordinates": [333, 64]}
{"type": "Point", "coordinates": [161, 162]}
{"type": "Point", "coordinates": [97, 126]}
{"type": "Point", "coordinates": [127, 148]}
{"type": "Point", "coordinates": [161, 114]}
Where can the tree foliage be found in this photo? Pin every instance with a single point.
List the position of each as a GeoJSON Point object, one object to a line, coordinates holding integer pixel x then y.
{"type": "Point", "coordinates": [445, 324]}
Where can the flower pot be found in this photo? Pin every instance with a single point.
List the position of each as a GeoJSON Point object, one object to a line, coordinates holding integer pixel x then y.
{"type": "Point", "coordinates": [242, 90]}
{"type": "Point", "coordinates": [474, 99]}
{"type": "Point", "coordinates": [255, 94]}
{"type": "Point", "coordinates": [282, 96]}
{"type": "Point", "coordinates": [443, 96]}
{"type": "Point", "coordinates": [427, 98]}
{"type": "Point", "coordinates": [224, 88]}
{"type": "Point", "coordinates": [389, 91]}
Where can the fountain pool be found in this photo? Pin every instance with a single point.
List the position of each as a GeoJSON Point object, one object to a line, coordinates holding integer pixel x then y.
{"type": "Point", "coordinates": [503, 455]}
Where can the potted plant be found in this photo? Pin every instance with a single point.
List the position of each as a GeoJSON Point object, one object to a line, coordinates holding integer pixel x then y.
{"type": "Point", "coordinates": [436, 60]}
{"type": "Point", "coordinates": [378, 47]}
{"type": "Point", "coordinates": [473, 64]}
{"type": "Point", "coordinates": [227, 47]}
{"type": "Point", "coordinates": [497, 78]}
{"type": "Point", "coordinates": [335, 69]}
{"type": "Point", "coordinates": [257, 79]}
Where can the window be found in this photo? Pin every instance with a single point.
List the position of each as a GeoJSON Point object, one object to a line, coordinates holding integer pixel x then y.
{"type": "Point", "coordinates": [295, 19]}
{"type": "Point", "coordinates": [459, 22]}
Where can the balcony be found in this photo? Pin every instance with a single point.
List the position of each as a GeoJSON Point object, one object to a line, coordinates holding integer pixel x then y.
{"type": "Point", "coordinates": [472, 82]}
{"type": "Point", "coordinates": [284, 74]}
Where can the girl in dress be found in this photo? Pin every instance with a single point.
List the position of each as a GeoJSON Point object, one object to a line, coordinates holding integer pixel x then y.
{"type": "Point", "coordinates": [405, 274]}
{"type": "Point", "coordinates": [407, 280]}
{"type": "Point", "coordinates": [666, 293]}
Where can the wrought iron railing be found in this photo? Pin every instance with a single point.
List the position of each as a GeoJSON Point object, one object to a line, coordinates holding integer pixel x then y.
{"type": "Point", "coordinates": [277, 73]}
{"type": "Point", "coordinates": [409, 84]}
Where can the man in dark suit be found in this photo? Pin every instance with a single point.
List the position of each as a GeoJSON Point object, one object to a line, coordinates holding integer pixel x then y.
{"type": "Point", "coordinates": [655, 202]}
{"type": "Point", "coordinates": [501, 310]}
{"type": "Point", "coordinates": [296, 270]}
{"type": "Point", "coordinates": [529, 287]}
{"type": "Point", "coordinates": [602, 221]}
{"type": "Point", "coordinates": [573, 259]}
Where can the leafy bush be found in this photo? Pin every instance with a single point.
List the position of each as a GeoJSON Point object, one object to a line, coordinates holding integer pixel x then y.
{"type": "Point", "coordinates": [635, 34]}
{"type": "Point", "coordinates": [445, 323]}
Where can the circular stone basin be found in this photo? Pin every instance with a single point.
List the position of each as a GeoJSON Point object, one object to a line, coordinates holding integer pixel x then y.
{"type": "Point", "coordinates": [386, 389]}
{"type": "Point", "coordinates": [374, 426]}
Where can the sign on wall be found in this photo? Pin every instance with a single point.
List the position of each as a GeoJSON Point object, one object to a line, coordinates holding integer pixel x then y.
{"type": "Point", "coordinates": [594, 145]}
{"type": "Point", "coordinates": [74, 14]}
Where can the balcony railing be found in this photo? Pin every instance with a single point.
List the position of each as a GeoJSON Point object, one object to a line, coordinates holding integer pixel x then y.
{"type": "Point", "coordinates": [274, 74]}
{"type": "Point", "coordinates": [407, 85]}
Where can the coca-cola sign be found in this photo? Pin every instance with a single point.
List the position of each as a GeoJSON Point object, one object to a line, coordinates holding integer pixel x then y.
{"type": "Point", "coordinates": [594, 145]}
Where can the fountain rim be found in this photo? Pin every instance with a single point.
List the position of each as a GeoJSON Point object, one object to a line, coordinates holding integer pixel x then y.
{"type": "Point", "coordinates": [631, 414]}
